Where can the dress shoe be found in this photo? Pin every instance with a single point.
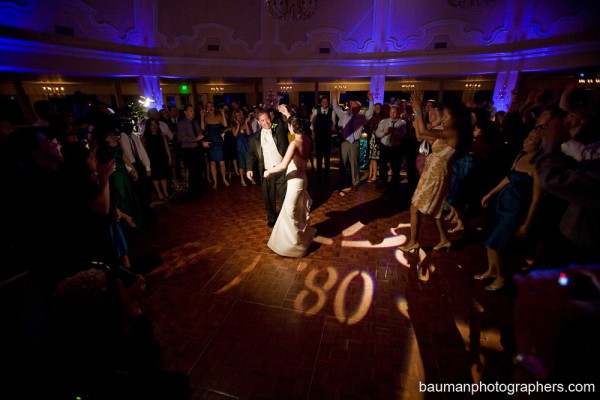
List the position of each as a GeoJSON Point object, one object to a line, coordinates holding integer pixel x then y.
{"type": "Point", "coordinates": [441, 246]}
{"type": "Point", "coordinates": [355, 188]}
{"type": "Point", "coordinates": [408, 249]}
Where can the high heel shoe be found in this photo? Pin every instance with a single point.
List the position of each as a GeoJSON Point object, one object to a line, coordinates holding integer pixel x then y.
{"type": "Point", "coordinates": [493, 287]}
{"type": "Point", "coordinates": [441, 246]}
{"type": "Point", "coordinates": [456, 229]}
{"type": "Point", "coordinates": [408, 249]}
{"type": "Point", "coordinates": [486, 275]}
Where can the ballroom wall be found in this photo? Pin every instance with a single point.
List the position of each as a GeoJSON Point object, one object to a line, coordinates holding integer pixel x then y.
{"type": "Point", "coordinates": [238, 42]}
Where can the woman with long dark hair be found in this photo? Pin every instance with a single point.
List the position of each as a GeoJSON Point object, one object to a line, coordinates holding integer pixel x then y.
{"type": "Point", "coordinates": [518, 196]}
{"type": "Point", "coordinates": [292, 233]}
{"type": "Point", "coordinates": [431, 191]}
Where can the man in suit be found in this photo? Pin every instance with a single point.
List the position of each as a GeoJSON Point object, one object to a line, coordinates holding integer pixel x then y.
{"type": "Point", "coordinates": [172, 120]}
{"type": "Point", "coordinates": [323, 124]}
{"type": "Point", "coordinates": [193, 143]}
{"type": "Point", "coordinates": [267, 147]}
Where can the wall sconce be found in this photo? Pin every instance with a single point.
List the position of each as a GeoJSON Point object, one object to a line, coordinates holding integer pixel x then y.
{"type": "Point", "coordinates": [54, 90]}
{"type": "Point", "coordinates": [472, 86]}
{"type": "Point", "coordinates": [588, 83]}
{"type": "Point", "coordinates": [285, 89]}
{"type": "Point", "coordinates": [408, 86]}
{"type": "Point", "coordinates": [217, 89]}
{"type": "Point", "coordinates": [340, 88]}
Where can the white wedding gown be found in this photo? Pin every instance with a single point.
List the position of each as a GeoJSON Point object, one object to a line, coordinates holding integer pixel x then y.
{"type": "Point", "coordinates": [292, 233]}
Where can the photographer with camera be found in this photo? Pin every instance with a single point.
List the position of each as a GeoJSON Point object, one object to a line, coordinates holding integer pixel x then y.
{"type": "Point", "coordinates": [99, 343]}
{"type": "Point", "coordinates": [61, 209]}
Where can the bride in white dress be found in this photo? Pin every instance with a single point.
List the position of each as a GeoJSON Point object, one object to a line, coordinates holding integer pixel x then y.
{"type": "Point", "coordinates": [292, 233]}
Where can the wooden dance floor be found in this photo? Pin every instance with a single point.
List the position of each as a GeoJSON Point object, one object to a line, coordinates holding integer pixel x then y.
{"type": "Point", "coordinates": [354, 319]}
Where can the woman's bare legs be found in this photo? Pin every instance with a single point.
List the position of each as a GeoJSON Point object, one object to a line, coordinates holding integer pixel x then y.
{"type": "Point", "coordinates": [241, 173]}
{"type": "Point", "coordinates": [415, 222]}
{"type": "Point", "coordinates": [223, 172]}
{"type": "Point", "coordinates": [156, 186]}
{"type": "Point", "coordinates": [444, 242]}
{"type": "Point", "coordinates": [163, 185]}
{"type": "Point", "coordinates": [451, 215]}
{"type": "Point", "coordinates": [495, 269]}
{"type": "Point", "coordinates": [213, 173]}
{"type": "Point", "coordinates": [125, 262]}
{"type": "Point", "coordinates": [372, 171]}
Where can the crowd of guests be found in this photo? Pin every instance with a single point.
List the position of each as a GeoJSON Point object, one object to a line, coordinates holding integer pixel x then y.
{"type": "Point", "coordinates": [196, 146]}
{"type": "Point", "coordinates": [528, 176]}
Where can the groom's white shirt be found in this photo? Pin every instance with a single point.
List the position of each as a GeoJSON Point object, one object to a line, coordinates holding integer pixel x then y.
{"type": "Point", "coordinates": [270, 154]}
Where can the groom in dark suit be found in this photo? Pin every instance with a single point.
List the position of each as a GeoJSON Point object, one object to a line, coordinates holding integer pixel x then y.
{"type": "Point", "coordinates": [267, 147]}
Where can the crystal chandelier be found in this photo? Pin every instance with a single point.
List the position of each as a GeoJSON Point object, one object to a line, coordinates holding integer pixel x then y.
{"type": "Point", "coordinates": [298, 10]}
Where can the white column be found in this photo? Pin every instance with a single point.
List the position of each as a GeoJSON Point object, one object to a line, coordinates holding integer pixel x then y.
{"type": "Point", "coordinates": [377, 87]}
{"type": "Point", "coordinates": [506, 81]}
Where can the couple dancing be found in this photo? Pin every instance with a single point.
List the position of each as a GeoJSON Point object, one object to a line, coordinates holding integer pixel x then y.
{"type": "Point", "coordinates": [283, 167]}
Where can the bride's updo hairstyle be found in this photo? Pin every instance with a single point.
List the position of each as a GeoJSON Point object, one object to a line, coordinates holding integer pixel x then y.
{"type": "Point", "coordinates": [300, 124]}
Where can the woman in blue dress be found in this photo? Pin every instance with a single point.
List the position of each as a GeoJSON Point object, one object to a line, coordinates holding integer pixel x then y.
{"type": "Point", "coordinates": [518, 196]}
{"type": "Point", "coordinates": [241, 132]}
{"type": "Point", "coordinates": [470, 176]}
{"type": "Point", "coordinates": [212, 123]}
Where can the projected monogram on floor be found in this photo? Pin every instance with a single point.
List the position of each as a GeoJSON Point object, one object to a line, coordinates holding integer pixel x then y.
{"type": "Point", "coordinates": [322, 293]}
{"type": "Point", "coordinates": [319, 284]}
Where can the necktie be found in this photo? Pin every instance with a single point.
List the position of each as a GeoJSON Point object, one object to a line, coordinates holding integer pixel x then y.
{"type": "Point", "coordinates": [393, 133]}
{"type": "Point", "coordinates": [348, 130]}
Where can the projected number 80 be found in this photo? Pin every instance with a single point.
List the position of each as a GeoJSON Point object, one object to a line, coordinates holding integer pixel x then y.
{"type": "Point", "coordinates": [322, 293]}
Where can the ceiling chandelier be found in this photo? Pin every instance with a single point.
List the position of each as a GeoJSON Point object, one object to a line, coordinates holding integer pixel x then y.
{"type": "Point", "coordinates": [285, 10]}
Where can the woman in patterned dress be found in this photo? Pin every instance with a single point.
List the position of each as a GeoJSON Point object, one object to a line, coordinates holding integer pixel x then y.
{"type": "Point", "coordinates": [431, 191]}
{"type": "Point", "coordinates": [371, 127]}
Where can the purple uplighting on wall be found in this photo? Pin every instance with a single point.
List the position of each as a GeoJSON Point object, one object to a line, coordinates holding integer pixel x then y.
{"type": "Point", "coordinates": [150, 87]}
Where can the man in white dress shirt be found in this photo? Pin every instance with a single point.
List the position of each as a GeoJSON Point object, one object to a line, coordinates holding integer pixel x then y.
{"type": "Point", "coordinates": [392, 132]}
{"type": "Point", "coordinates": [140, 174]}
{"type": "Point", "coordinates": [352, 123]}
{"type": "Point", "coordinates": [267, 147]}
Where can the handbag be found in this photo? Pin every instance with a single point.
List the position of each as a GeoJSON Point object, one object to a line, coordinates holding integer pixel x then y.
{"type": "Point", "coordinates": [425, 148]}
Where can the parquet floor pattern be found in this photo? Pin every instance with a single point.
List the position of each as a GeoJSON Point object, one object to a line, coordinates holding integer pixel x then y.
{"type": "Point", "coordinates": [354, 319]}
